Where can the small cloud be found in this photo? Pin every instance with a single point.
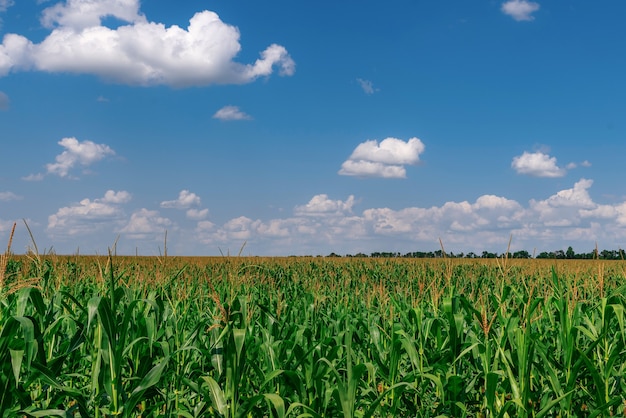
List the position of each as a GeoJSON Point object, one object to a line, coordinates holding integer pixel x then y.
{"type": "Point", "coordinates": [33, 177]}
{"type": "Point", "coordinates": [102, 99]}
{"type": "Point", "coordinates": [197, 214]}
{"type": "Point", "coordinates": [387, 159]}
{"type": "Point", "coordinates": [321, 205]}
{"type": "Point", "coordinates": [537, 164]}
{"type": "Point", "coordinates": [116, 197]}
{"type": "Point", "coordinates": [76, 152]}
{"type": "Point", "coordinates": [7, 196]}
{"type": "Point", "coordinates": [5, 4]}
{"type": "Point", "coordinates": [4, 101]}
{"type": "Point", "coordinates": [520, 10]}
{"type": "Point", "coordinates": [231, 113]}
{"type": "Point", "coordinates": [186, 199]}
{"type": "Point", "coordinates": [367, 86]}
{"type": "Point", "coordinates": [572, 165]}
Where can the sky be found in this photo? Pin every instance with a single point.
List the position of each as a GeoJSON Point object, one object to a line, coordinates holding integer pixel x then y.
{"type": "Point", "coordinates": [305, 128]}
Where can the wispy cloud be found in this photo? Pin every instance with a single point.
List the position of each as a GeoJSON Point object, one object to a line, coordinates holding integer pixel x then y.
{"type": "Point", "coordinates": [140, 52]}
{"type": "Point", "coordinates": [5, 4]}
{"type": "Point", "coordinates": [4, 101]}
{"type": "Point", "coordinates": [8, 196]}
{"type": "Point", "coordinates": [537, 164]}
{"type": "Point", "coordinates": [520, 10]}
{"type": "Point", "coordinates": [387, 159]}
{"type": "Point", "coordinates": [33, 177]}
{"type": "Point", "coordinates": [231, 113]}
{"type": "Point", "coordinates": [367, 86]}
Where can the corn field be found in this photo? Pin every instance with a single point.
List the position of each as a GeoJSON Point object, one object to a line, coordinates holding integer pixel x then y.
{"type": "Point", "coordinates": [311, 337]}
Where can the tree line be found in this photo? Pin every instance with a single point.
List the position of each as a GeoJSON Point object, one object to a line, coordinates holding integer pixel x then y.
{"type": "Point", "coordinates": [558, 254]}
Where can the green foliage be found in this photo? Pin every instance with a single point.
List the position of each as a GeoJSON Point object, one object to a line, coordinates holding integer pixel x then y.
{"type": "Point", "coordinates": [302, 337]}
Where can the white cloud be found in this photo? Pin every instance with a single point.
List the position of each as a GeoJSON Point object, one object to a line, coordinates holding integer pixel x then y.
{"type": "Point", "coordinates": [537, 164]}
{"type": "Point", "coordinates": [140, 52]}
{"type": "Point", "coordinates": [520, 9]}
{"type": "Point", "coordinates": [321, 205]}
{"type": "Point", "coordinates": [81, 14]}
{"type": "Point", "coordinates": [4, 101]}
{"type": "Point", "coordinates": [33, 177]}
{"type": "Point", "coordinates": [197, 214]}
{"type": "Point", "coordinates": [145, 224]}
{"type": "Point", "coordinates": [325, 224]}
{"type": "Point", "coordinates": [83, 153]}
{"type": "Point", "coordinates": [577, 197]}
{"type": "Point", "coordinates": [5, 4]}
{"type": "Point", "coordinates": [8, 196]}
{"type": "Point", "coordinates": [186, 199]}
{"type": "Point", "coordinates": [367, 86]}
{"type": "Point", "coordinates": [231, 113]}
{"type": "Point", "coordinates": [567, 217]}
{"type": "Point", "coordinates": [369, 169]}
{"type": "Point", "coordinates": [567, 207]}
{"type": "Point", "coordinates": [116, 197]}
{"type": "Point", "coordinates": [387, 159]}
{"type": "Point", "coordinates": [89, 216]}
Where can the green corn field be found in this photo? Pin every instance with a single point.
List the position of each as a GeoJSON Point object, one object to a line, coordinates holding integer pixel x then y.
{"type": "Point", "coordinates": [311, 337]}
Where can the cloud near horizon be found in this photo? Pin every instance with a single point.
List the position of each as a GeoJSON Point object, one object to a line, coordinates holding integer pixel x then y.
{"type": "Point", "coordinates": [386, 160]}
{"type": "Point", "coordinates": [89, 216]}
{"type": "Point", "coordinates": [324, 224]}
{"type": "Point", "coordinates": [141, 52]}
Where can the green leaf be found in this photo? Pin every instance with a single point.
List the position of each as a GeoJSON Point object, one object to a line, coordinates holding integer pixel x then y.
{"type": "Point", "coordinates": [217, 396]}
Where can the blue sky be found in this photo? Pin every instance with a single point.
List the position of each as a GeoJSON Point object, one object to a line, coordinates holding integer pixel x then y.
{"type": "Point", "coordinates": [312, 127]}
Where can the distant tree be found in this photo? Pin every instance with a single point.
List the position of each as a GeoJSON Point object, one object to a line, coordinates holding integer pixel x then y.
{"type": "Point", "coordinates": [521, 254]}
{"type": "Point", "coordinates": [609, 255]}
{"type": "Point", "coordinates": [333, 255]}
{"type": "Point", "coordinates": [570, 254]}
